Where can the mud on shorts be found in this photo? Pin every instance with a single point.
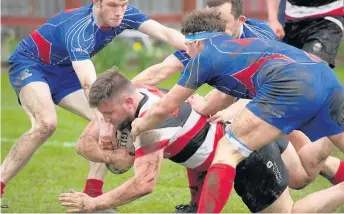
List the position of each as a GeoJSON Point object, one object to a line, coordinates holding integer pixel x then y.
{"type": "Point", "coordinates": [319, 36]}
{"type": "Point", "coordinates": [62, 80]}
{"type": "Point", "coordinates": [306, 97]}
{"type": "Point", "coordinates": [261, 178]}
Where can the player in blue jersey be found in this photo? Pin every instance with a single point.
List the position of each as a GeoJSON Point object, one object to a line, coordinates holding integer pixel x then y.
{"type": "Point", "coordinates": [52, 66]}
{"type": "Point", "coordinates": [237, 25]}
{"type": "Point", "coordinates": [303, 169]}
{"type": "Point", "coordinates": [290, 89]}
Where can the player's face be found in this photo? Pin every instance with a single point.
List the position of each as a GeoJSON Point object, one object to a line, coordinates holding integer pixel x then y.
{"type": "Point", "coordinates": [117, 112]}
{"type": "Point", "coordinates": [112, 11]}
{"type": "Point", "coordinates": [233, 26]}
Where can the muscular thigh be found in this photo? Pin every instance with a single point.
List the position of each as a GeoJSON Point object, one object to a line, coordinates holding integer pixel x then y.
{"type": "Point", "coordinates": [76, 102]}
{"type": "Point", "coordinates": [261, 178]}
{"type": "Point", "coordinates": [284, 204]}
{"type": "Point", "coordinates": [252, 130]}
{"type": "Point", "coordinates": [35, 98]}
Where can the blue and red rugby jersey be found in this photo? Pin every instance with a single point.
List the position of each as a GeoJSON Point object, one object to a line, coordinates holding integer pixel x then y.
{"type": "Point", "coordinates": [233, 66]}
{"type": "Point", "coordinates": [252, 28]}
{"type": "Point", "coordinates": [74, 35]}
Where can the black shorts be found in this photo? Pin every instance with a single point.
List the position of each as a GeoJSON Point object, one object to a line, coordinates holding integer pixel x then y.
{"type": "Point", "coordinates": [318, 36]}
{"type": "Point", "coordinates": [261, 178]}
{"type": "Point", "coordinates": [282, 143]}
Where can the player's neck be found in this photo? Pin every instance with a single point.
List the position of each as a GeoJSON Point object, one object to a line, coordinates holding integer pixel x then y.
{"type": "Point", "coordinates": [138, 97]}
{"type": "Point", "coordinates": [97, 17]}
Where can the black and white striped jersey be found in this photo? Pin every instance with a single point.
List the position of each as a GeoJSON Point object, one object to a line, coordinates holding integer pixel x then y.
{"type": "Point", "coordinates": [186, 137]}
{"type": "Point", "coordinates": [301, 9]}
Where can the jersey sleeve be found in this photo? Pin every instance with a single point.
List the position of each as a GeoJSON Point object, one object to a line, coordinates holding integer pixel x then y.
{"type": "Point", "coordinates": [133, 18]}
{"type": "Point", "coordinates": [76, 49]}
{"type": "Point", "coordinates": [196, 72]}
{"type": "Point", "coordinates": [259, 29]}
{"type": "Point", "coordinates": [158, 138]}
{"type": "Point", "coordinates": [182, 56]}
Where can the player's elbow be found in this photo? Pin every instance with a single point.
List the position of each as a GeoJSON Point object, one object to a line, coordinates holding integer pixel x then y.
{"type": "Point", "coordinates": [146, 184]}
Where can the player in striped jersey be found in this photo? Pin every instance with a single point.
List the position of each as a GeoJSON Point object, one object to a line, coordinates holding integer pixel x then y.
{"type": "Point", "coordinates": [188, 139]}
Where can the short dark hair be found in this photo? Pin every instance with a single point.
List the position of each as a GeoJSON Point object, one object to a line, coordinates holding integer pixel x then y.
{"type": "Point", "coordinates": [107, 85]}
{"type": "Point", "coordinates": [237, 6]}
{"type": "Point", "coordinates": [203, 20]}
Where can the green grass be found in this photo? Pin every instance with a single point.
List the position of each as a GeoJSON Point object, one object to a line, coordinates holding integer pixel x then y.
{"type": "Point", "coordinates": [56, 167]}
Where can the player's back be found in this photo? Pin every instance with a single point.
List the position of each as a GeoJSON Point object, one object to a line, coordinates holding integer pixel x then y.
{"type": "Point", "coordinates": [252, 28]}
{"type": "Point", "coordinates": [233, 65]}
{"type": "Point", "coordinates": [240, 53]}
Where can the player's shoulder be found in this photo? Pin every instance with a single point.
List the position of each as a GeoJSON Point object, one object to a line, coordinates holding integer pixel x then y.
{"type": "Point", "coordinates": [259, 28]}
{"type": "Point", "coordinates": [132, 10]}
{"type": "Point", "coordinates": [215, 45]}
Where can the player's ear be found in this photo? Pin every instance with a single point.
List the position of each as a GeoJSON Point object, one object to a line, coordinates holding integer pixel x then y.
{"type": "Point", "coordinates": [96, 3]}
{"type": "Point", "coordinates": [128, 103]}
{"type": "Point", "coordinates": [200, 45]}
{"type": "Point", "coordinates": [242, 19]}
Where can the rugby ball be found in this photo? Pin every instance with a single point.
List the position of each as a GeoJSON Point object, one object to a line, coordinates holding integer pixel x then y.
{"type": "Point", "coordinates": [124, 139]}
{"type": "Point", "coordinates": [126, 152]}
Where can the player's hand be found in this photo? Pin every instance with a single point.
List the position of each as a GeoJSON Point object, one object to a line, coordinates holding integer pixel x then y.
{"type": "Point", "coordinates": [197, 103]}
{"type": "Point", "coordinates": [222, 116]}
{"type": "Point", "coordinates": [277, 28]}
{"type": "Point", "coordinates": [106, 134]}
{"type": "Point", "coordinates": [78, 202]}
{"type": "Point", "coordinates": [136, 128]}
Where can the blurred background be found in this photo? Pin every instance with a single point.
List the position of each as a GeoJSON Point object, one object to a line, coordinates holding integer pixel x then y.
{"type": "Point", "coordinates": [20, 17]}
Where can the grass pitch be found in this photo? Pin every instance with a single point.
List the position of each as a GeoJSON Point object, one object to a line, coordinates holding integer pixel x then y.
{"type": "Point", "coordinates": [56, 167]}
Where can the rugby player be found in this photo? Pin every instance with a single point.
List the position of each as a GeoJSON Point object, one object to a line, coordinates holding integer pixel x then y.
{"type": "Point", "coordinates": [302, 170]}
{"type": "Point", "coordinates": [314, 26]}
{"type": "Point", "coordinates": [188, 139]}
{"type": "Point", "coordinates": [290, 89]}
{"type": "Point", "coordinates": [52, 66]}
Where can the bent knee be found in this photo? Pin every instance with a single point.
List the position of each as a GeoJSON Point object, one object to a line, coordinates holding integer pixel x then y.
{"type": "Point", "coordinates": [45, 127]}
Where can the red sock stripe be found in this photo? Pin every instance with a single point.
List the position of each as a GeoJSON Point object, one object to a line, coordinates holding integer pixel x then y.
{"type": "Point", "coordinates": [339, 176]}
{"type": "Point", "coordinates": [93, 187]}
{"type": "Point", "coordinates": [217, 188]}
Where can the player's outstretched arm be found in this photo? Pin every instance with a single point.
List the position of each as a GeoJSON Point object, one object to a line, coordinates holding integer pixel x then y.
{"type": "Point", "coordinates": [161, 110]}
{"type": "Point", "coordinates": [146, 173]}
{"type": "Point", "coordinates": [272, 6]}
{"type": "Point", "coordinates": [86, 73]}
{"type": "Point", "coordinates": [213, 102]}
{"type": "Point", "coordinates": [229, 113]}
{"type": "Point", "coordinates": [159, 72]}
{"type": "Point", "coordinates": [161, 32]}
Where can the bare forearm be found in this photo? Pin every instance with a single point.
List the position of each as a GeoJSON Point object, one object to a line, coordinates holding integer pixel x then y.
{"type": "Point", "coordinates": [176, 39]}
{"type": "Point", "coordinates": [216, 101]}
{"type": "Point", "coordinates": [124, 194]}
{"type": "Point", "coordinates": [272, 9]}
{"type": "Point", "coordinates": [150, 76]}
{"type": "Point", "coordinates": [156, 115]}
{"type": "Point", "coordinates": [238, 106]}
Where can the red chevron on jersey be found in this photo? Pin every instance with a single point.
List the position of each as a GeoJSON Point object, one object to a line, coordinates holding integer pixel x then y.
{"type": "Point", "coordinates": [181, 142]}
{"type": "Point", "coordinates": [243, 42]}
{"type": "Point", "coordinates": [245, 75]}
{"type": "Point", "coordinates": [43, 46]}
